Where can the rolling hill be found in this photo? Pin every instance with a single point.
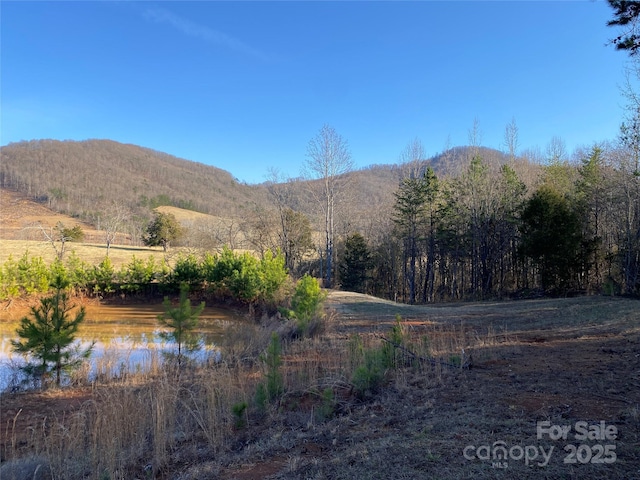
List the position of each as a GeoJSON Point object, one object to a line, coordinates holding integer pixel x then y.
{"type": "Point", "coordinates": [85, 179]}
{"type": "Point", "coordinates": [21, 218]}
{"type": "Point", "coordinates": [82, 178]}
{"type": "Point", "coordinates": [22, 221]}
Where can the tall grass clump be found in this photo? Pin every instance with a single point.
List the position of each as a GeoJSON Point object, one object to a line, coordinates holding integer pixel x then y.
{"type": "Point", "coordinates": [392, 352]}
{"type": "Point", "coordinates": [132, 429]}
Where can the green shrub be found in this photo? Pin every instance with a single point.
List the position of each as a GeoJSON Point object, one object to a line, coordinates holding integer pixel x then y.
{"type": "Point", "coordinates": [455, 360]}
{"type": "Point", "coordinates": [220, 267]}
{"type": "Point", "coordinates": [236, 275]}
{"type": "Point", "coordinates": [307, 298]}
{"type": "Point", "coordinates": [79, 272]}
{"type": "Point", "coordinates": [136, 273]}
{"type": "Point", "coordinates": [261, 397]}
{"type": "Point", "coordinates": [239, 414]}
{"type": "Point", "coordinates": [273, 274]}
{"type": "Point", "coordinates": [244, 282]}
{"type": "Point", "coordinates": [241, 276]}
{"type": "Point", "coordinates": [245, 277]}
{"type": "Point", "coordinates": [186, 270]}
{"type": "Point", "coordinates": [32, 275]}
{"type": "Point", "coordinates": [57, 269]}
{"type": "Point", "coordinates": [9, 283]}
{"type": "Point", "coordinates": [306, 303]}
{"type": "Point", "coordinates": [368, 377]}
{"type": "Point", "coordinates": [371, 364]}
{"type": "Point", "coordinates": [74, 234]}
{"type": "Point", "coordinates": [103, 276]}
{"type": "Point", "coordinates": [327, 407]}
{"type": "Point", "coordinates": [208, 267]}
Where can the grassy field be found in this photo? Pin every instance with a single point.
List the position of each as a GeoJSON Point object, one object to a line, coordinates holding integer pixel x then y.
{"type": "Point", "coordinates": [22, 219]}
{"type": "Point", "coordinates": [574, 363]}
{"type": "Point", "coordinates": [90, 253]}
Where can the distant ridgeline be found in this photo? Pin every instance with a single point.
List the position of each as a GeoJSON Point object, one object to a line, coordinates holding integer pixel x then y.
{"type": "Point", "coordinates": [82, 179]}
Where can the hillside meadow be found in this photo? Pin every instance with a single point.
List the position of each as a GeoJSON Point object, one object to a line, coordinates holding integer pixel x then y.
{"type": "Point", "coordinates": [23, 221]}
{"type": "Point", "coordinates": [91, 253]}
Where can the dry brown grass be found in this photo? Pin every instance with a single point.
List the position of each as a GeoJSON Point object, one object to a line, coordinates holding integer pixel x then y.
{"type": "Point", "coordinates": [183, 215]}
{"type": "Point", "coordinates": [93, 254]}
{"type": "Point", "coordinates": [562, 360]}
{"type": "Point", "coordinates": [22, 221]}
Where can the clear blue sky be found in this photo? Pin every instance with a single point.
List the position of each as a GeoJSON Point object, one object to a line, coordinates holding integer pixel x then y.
{"type": "Point", "coordinates": [245, 86]}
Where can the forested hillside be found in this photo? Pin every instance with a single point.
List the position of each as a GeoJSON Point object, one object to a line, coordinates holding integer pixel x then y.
{"type": "Point", "coordinates": [95, 180]}
{"type": "Point", "coordinates": [471, 223]}
{"type": "Point", "coordinates": [83, 178]}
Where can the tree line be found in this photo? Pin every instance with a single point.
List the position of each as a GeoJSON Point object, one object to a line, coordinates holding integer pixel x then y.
{"type": "Point", "coordinates": [493, 226]}
{"type": "Point", "coordinates": [483, 234]}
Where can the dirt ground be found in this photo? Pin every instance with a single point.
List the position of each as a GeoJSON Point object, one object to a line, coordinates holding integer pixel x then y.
{"type": "Point", "coordinates": [573, 363]}
{"type": "Point", "coordinates": [563, 361]}
{"type": "Point", "coordinates": [21, 217]}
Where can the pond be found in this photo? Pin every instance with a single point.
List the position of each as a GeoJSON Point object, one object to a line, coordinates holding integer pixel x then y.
{"type": "Point", "coordinates": [126, 336]}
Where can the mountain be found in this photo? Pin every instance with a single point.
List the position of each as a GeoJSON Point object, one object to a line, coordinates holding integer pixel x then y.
{"type": "Point", "coordinates": [84, 179]}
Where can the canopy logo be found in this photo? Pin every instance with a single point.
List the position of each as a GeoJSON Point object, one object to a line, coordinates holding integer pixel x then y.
{"type": "Point", "coordinates": [595, 444]}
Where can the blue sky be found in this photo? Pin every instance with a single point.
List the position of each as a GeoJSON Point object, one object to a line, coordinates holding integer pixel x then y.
{"type": "Point", "coordinates": [245, 86]}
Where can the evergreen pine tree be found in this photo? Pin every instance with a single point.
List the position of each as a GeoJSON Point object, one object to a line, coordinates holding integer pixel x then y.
{"type": "Point", "coordinates": [551, 237]}
{"type": "Point", "coordinates": [181, 320]}
{"type": "Point", "coordinates": [356, 261]}
{"type": "Point", "coordinates": [413, 215]}
{"type": "Point", "coordinates": [48, 336]}
{"type": "Point", "coordinates": [163, 229]}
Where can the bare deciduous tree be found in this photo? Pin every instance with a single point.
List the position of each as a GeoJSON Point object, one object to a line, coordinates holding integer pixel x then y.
{"type": "Point", "coordinates": [556, 150]}
{"type": "Point", "coordinates": [57, 235]}
{"type": "Point", "coordinates": [511, 139]}
{"type": "Point", "coordinates": [475, 138]}
{"type": "Point", "coordinates": [329, 160]}
{"type": "Point", "coordinates": [281, 194]}
{"type": "Point", "coordinates": [260, 230]}
{"type": "Point", "coordinates": [112, 222]}
{"type": "Point", "coordinates": [411, 159]}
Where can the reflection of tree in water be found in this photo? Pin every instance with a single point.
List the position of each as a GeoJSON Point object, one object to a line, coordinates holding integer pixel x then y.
{"type": "Point", "coordinates": [126, 341]}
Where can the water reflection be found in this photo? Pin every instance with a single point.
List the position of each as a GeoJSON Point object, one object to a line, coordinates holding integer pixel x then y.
{"type": "Point", "coordinates": [127, 339]}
